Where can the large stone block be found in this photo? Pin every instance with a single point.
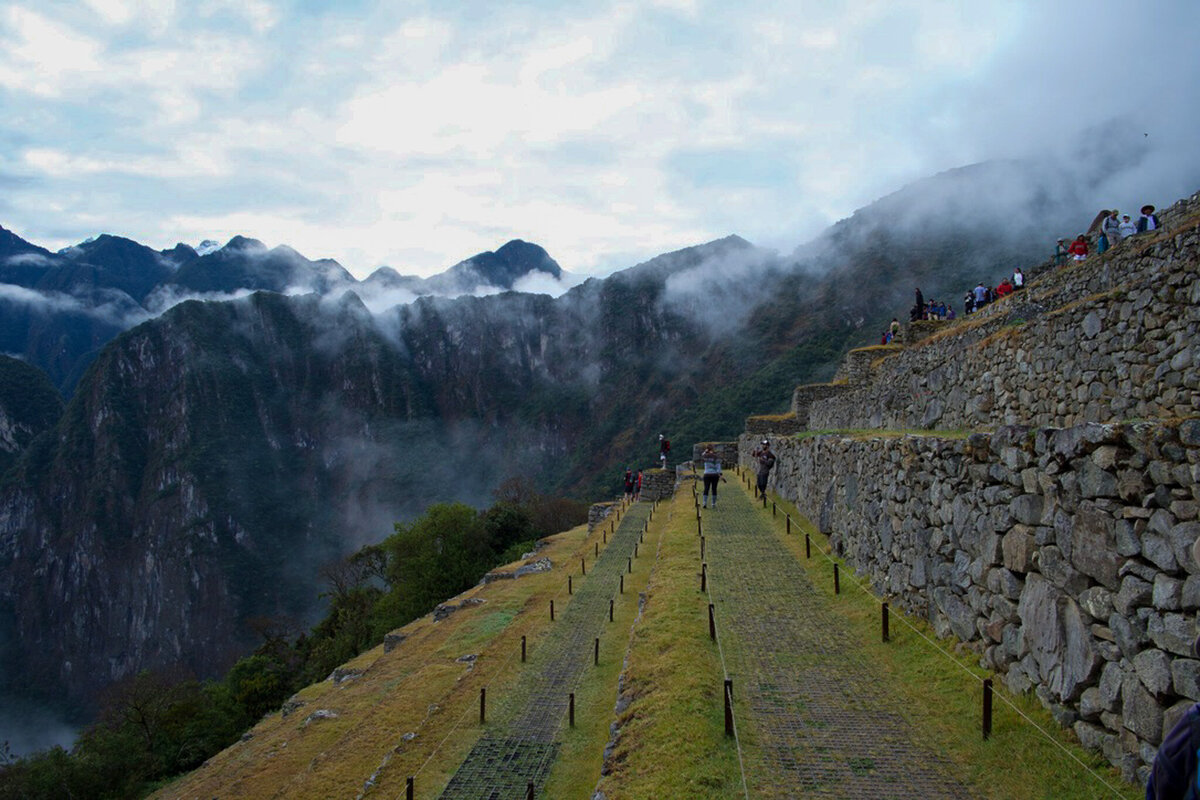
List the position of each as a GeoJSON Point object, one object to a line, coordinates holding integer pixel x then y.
{"type": "Point", "coordinates": [1140, 712]}
{"type": "Point", "coordinates": [1093, 545]}
{"type": "Point", "coordinates": [1058, 638]}
{"type": "Point", "coordinates": [1018, 548]}
{"type": "Point", "coordinates": [1153, 668]}
{"type": "Point", "coordinates": [1027, 509]}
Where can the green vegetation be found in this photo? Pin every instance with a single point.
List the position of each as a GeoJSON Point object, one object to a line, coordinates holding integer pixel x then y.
{"type": "Point", "coordinates": [672, 741]}
{"type": "Point", "coordinates": [157, 725]}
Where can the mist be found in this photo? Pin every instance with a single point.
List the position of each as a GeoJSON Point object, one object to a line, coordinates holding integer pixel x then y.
{"type": "Point", "coordinates": [28, 726]}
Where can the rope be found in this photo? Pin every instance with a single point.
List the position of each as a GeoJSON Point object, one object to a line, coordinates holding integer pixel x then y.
{"type": "Point", "coordinates": [996, 693]}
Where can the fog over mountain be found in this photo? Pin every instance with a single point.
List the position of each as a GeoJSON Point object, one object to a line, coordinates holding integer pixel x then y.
{"type": "Point", "coordinates": [266, 413]}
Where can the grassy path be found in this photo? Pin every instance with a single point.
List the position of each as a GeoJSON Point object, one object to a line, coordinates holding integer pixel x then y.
{"type": "Point", "coordinates": [815, 717]}
{"type": "Point", "coordinates": [520, 746]}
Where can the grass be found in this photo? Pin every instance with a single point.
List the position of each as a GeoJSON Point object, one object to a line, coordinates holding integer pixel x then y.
{"type": "Point", "coordinates": [413, 712]}
{"type": "Point", "coordinates": [577, 768]}
{"type": "Point", "coordinates": [943, 694]}
{"type": "Point", "coordinates": [774, 417]}
{"type": "Point", "coordinates": [672, 741]}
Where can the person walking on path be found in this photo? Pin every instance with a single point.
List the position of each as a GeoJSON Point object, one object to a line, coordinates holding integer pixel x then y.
{"type": "Point", "coordinates": [712, 473]}
{"type": "Point", "coordinates": [766, 460]}
{"type": "Point", "coordinates": [629, 484]}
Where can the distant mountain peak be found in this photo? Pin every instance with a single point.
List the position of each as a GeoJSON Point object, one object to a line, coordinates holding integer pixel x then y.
{"type": "Point", "coordinates": [207, 246]}
{"type": "Point", "coordinates": [244, 244]}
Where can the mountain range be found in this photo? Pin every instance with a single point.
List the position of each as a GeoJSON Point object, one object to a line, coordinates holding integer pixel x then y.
{"type": "Point", "coordinates": [211, 454]}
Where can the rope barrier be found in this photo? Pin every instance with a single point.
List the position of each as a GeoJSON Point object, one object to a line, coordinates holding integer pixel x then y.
{"type": "Point", "coordinates": [1003, 699]}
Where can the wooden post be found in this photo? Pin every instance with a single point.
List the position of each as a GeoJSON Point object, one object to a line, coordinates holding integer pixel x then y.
{"type": "Point", "coordinates": [552, 611]}
{"type": "Point", "coordinates": [837, 583]}
{"type": "Point", "coordinates": [610, 609]}
{"type": "Point", "coordinates": [408, 789]}
{"type": "Point", "coordinates": [704, 577]}
{"type": "Point", "coordinates": [712, 623]}
{"type": "Point", "coordinates": [569, 588]}
{"type": "Point", "coordinates": [529, 791]}
{"type": "Point", "coordinates": [987, 707]}
{"type": "Point", "coordinates": [596, 655]}
{"type": "Point", "coordinates": [807, 546]}
{"type": "Point", "coordinates": [701, 548]}
{"type": "Point", "coordinates": [571, 707]}
{"type": "Point", "coordinates": [482, 705]}
{"type": "Point", "coordinates": [597, 553]}
{"type": "Point", "coordinates": [789, 524]}
{"type": "Point", "coordinates": [582, 567]}
{"type": "Point", "coordinates": [629, 566]}
{"type": "Point", "coordinates": [522, 649]}
{"type": "Point", "coordinates": [773, 508]}
{"type": "Point", "coordinates": [622, 584]}
{"type": "Point", "coordinates": [728, 707]}
{"type": "Point", "coordinates": [885, 622]}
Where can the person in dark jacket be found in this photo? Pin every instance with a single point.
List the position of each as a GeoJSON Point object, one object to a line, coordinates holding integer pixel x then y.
{"type": "Point", "coordinates": [1148, 221]}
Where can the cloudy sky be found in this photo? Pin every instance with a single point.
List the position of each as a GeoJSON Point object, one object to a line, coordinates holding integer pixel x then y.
{"type": "Point", "coordinates": [415, 134]}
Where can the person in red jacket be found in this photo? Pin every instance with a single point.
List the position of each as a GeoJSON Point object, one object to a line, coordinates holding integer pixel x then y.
{"type": "Point", "coordinates": [1079, 248]}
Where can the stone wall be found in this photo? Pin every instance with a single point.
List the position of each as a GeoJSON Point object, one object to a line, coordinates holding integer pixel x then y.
{"type": "Point", "coordinates": [727, 450]}
{"type": "Point", "coordinates": [1062, 556]}
{"type": "Point", "coordinates": [803, 398]}
{"type": "Point", "coordinates": [598, 512]}
{"type": "Point", "coordinates": [774, 423]}
{"type": "Point", "coordinates": [1112, 338]}
{"type": "Point", "coordinates": [657, 484]}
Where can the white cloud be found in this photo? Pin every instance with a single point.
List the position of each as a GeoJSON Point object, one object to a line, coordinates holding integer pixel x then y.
{"type": "Point", "coordinates": [608, 135]}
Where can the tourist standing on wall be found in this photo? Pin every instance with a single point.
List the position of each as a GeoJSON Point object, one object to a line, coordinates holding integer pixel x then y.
{"type": "Point", "coordinates": [1128, 227]}
{"type": "Point", "coordinates": [1110, 232]}
{"type": "Point", "coordinates": [1079, 248]}
{"type": "Point", "coordinates": [1147, 221]}
{"type": "Point", "coordinates": [766, 460]}
{"type": "Point", "coordinates": [629, 484]}
{"type": "Point", "coordinates": [712, 473]}
{"type": "Point", "coordinates": [664, 449]}
{"type": "Point", "coordinates": [1060, 253]}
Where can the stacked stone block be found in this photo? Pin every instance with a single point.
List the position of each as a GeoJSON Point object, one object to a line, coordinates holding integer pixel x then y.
{"type": "Point", "coordinates": [1062, 556]}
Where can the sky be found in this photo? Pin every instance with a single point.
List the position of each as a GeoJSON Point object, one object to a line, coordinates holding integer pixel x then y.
{"type": "Point", "coordinates": [416, 134]}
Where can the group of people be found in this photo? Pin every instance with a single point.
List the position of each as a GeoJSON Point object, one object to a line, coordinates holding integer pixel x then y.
{"type": "Point", "coordinates": [923, 309]}
{"type": "Point", "coordinates": [973, 300]}
{"type": "Point", "coordinates": [1109, 227]}
{"type": "Point", "coordinates": [633, 485]}
{"type": "Point", "coordinates": [983, 294]}
{"type": "Point", "coordinates": [764, 461]}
